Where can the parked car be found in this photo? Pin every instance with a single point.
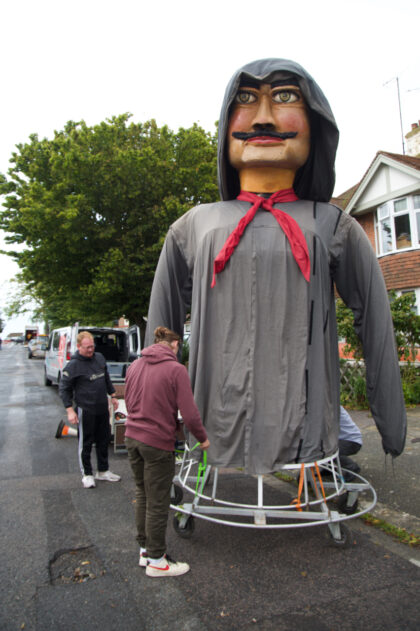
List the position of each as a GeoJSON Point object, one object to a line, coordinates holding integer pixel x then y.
{"type": "Point", "coordinates": [37, 346]}
{"type": "Point", "coordinates": [14, 340]}
{"type": "Point", "coordinates": [118, 346]}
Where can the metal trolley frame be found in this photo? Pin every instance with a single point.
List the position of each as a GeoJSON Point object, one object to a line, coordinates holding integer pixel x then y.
{"type": "Point", "coordinates": [324, 497]}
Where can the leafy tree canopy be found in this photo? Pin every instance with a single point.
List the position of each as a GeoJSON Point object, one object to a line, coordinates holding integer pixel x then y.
{"type": "Point", "coordinates": [406, 325]}
{"type": "Point", "coordinates": [92, 207]}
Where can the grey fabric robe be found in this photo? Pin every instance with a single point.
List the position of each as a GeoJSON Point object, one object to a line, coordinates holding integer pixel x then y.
{"type": "Point", "coordinates": [263, 349]}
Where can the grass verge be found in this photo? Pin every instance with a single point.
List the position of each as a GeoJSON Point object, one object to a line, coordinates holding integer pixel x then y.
{"type": "Point", "coordinates": [401, 534]}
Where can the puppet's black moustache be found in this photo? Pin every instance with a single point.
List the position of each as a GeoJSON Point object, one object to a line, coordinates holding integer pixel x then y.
{"type": "Point", "coordinates": [243, 135]}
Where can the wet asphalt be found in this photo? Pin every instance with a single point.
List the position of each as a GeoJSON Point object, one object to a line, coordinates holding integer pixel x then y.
{"type": "Point", "coordinates": [69, 555]}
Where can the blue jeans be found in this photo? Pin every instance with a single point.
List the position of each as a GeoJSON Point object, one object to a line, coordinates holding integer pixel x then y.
{"type": "Point", "coordinates": [153, 471]}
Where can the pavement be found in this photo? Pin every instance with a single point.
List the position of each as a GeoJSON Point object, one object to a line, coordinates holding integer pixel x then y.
{"type": "Point", "coordinates": [396, 481]}
{"type": "Point", "coordinates": [69, 559]}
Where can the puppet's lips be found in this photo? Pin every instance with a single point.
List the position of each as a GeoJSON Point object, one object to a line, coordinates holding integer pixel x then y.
{"type": "Point", "coordinates": [265, 140]}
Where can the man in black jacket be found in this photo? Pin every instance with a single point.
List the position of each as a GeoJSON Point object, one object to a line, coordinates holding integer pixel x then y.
{"type": "Point", "coordinates": [86, 379]}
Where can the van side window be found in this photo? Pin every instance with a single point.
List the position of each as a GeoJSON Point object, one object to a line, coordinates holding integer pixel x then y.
{"type": "Point", "coordinates": [56, 341]}
{"type": "Point", "coordinates": [134, 341]}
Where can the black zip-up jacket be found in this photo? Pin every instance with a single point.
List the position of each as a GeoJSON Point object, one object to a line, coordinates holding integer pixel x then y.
{"type": "Point", "coordinates": [86, 379]}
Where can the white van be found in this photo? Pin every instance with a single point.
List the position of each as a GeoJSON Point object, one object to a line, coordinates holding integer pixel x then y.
{"type": "Point", "coordinates": [119, 347]}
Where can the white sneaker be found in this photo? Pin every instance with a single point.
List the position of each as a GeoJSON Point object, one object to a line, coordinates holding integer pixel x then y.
{"type": "Point", "coordinates": [143, 557]}
{"type": "Point", "coordinates": [108, 476]}
{"type": "Point", "coordinates": [166, 567]}
{"type": "Point", "coordinates": [88, 482]}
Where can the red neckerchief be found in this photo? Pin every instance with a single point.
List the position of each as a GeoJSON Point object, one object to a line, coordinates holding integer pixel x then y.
{"type": "Point", "coordinates": [287, 223]}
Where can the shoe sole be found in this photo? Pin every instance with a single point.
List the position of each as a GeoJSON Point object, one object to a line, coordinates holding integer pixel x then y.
{"type": "Point", "coordinates": [155, 573]}
{"type": "Point", "coordinates": [106, 479]}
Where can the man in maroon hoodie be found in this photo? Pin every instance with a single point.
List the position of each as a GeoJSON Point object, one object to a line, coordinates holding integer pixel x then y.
{"type": "Point", "coordinates": [157, 386]}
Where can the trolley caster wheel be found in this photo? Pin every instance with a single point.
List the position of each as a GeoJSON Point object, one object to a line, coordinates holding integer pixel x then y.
{"type": "Point", "coordinates": [186, 530]}
{"type": "Point", "coordinates": [344, 507]}
{"type": "Point", "coordinates": [344, 540]}
{"type": "Point", "coordinates": [176, 495]}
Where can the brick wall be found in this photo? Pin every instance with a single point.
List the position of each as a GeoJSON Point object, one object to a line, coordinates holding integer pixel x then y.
{"type": "Point", "coordinates": [402, 269]}
{"type": "Point", "coordinates": [368, 225]}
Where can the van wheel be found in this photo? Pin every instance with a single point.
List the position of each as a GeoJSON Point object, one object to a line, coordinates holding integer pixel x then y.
{"type": "Point", "coordinates": [47, 382]}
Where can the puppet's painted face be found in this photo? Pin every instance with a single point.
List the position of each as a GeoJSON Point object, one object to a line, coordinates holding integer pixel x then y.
{"type": "Point", "coordinates": [268, 127]}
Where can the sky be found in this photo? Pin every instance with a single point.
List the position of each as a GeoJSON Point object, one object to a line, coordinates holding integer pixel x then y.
{"type": "Point", "coordinates": [94, 59]}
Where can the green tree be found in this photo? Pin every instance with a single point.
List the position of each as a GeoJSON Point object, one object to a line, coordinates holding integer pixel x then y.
{"type": "Point", "coordinates": [92, 207]}
{"type": "Point", "coordinates": [345, 329]}
{"type": "Point", "coordinates": [405, 320]}
{"type": "Point", "coordinates": [407, 335]}
{"type": "Point", "coordinates": [406, 324]}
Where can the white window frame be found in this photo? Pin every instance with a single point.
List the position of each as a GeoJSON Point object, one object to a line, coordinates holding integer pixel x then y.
{"type": "Point", "coordinates": [387, 210]}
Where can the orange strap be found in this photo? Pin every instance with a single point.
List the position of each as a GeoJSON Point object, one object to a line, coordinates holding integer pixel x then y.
{"type": "Point", "coordinates": [320, 480]}
{"type": "Point", "coordinates": [301, 478]}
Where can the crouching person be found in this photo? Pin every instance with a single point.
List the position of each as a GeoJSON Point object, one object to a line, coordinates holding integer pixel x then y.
{"type": "Point", "coordinates": [157, 386]}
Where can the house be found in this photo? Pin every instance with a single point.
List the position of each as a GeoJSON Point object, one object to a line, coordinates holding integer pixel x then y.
{"type": "Point", "coordinates": [386, 203]}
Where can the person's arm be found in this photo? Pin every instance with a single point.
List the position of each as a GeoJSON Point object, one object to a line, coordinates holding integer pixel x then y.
{"type": "Point", "coordinates": [361, 285]}
{"type": "Point", "coordinates": [65, 389]}
{"type": "Point", "coordinates": [110, 387]}
{"type": "Point", "coordinates": [188, 408]}
{"type": "Point", "coordinates": [72, 417]}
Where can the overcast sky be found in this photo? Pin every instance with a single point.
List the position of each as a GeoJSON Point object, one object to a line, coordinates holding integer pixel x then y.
{"type": "Point", "coordinates": [92, 59]}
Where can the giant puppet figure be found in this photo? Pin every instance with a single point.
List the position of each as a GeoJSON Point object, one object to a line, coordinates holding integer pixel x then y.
{"type": "Point", "coordinates": [258, 271]}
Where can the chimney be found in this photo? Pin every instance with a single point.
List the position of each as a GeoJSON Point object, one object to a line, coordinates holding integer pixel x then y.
{"type": "Point", "coordinates": [413, 140]}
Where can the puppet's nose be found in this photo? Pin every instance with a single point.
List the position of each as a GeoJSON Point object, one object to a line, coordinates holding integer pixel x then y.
{"type": "Point", "coordinates": [264, 115]}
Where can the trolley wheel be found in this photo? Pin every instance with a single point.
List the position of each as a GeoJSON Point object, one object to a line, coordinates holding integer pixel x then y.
{"type": "Point", "coordinates": [344, 507]}
{"type": "Point", "coordinates": [176, 494]}
{"type": "Point", "coordinates": [345, 539]}
{"type": "Point", "coordinates": [185, 531]}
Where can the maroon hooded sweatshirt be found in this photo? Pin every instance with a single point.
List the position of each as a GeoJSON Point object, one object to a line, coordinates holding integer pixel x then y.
{"type": "Point", "coordinates": [156, 387]}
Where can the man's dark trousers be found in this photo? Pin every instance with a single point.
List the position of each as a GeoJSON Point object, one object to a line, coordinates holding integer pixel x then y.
{"type": "Point", "coordinates": [153, 471]}
{"type": "Point", "coordinates": [93, 428]}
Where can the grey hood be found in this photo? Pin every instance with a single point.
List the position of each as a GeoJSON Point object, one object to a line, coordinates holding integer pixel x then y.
{"type": "Point", "coordinates": [316, 179]}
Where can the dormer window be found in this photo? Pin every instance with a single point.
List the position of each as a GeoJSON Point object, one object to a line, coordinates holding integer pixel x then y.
{"type": "Point", "coordinates": [398, 225]}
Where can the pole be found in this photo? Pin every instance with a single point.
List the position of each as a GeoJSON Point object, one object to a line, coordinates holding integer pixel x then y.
{"type": "Point", "coordinates": [401, 123]}
{"type": "Point", "coordinates": [399, 109]}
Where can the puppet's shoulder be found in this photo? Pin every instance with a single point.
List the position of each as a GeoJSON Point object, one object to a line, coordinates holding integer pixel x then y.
{"type": "Point", "coordinates": [205, 217]}
{"type": "Point", "coordinates": [204, 211]}
{"type": "Point", "coordinates": [331, 219]}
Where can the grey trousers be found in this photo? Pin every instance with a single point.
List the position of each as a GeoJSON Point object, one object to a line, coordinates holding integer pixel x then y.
{"type": "Point", "coordinates": [153, 471]}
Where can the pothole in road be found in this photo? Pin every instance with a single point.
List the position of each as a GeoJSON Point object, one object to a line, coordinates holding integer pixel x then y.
{"type": "Point", "coordinates": [75, 566]}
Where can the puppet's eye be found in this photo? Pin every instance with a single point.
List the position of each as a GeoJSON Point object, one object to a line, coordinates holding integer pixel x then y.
{"type": "Point", "coordinates": [244, 97]}
{"type": "Point", "coordinates": [285, 96]}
